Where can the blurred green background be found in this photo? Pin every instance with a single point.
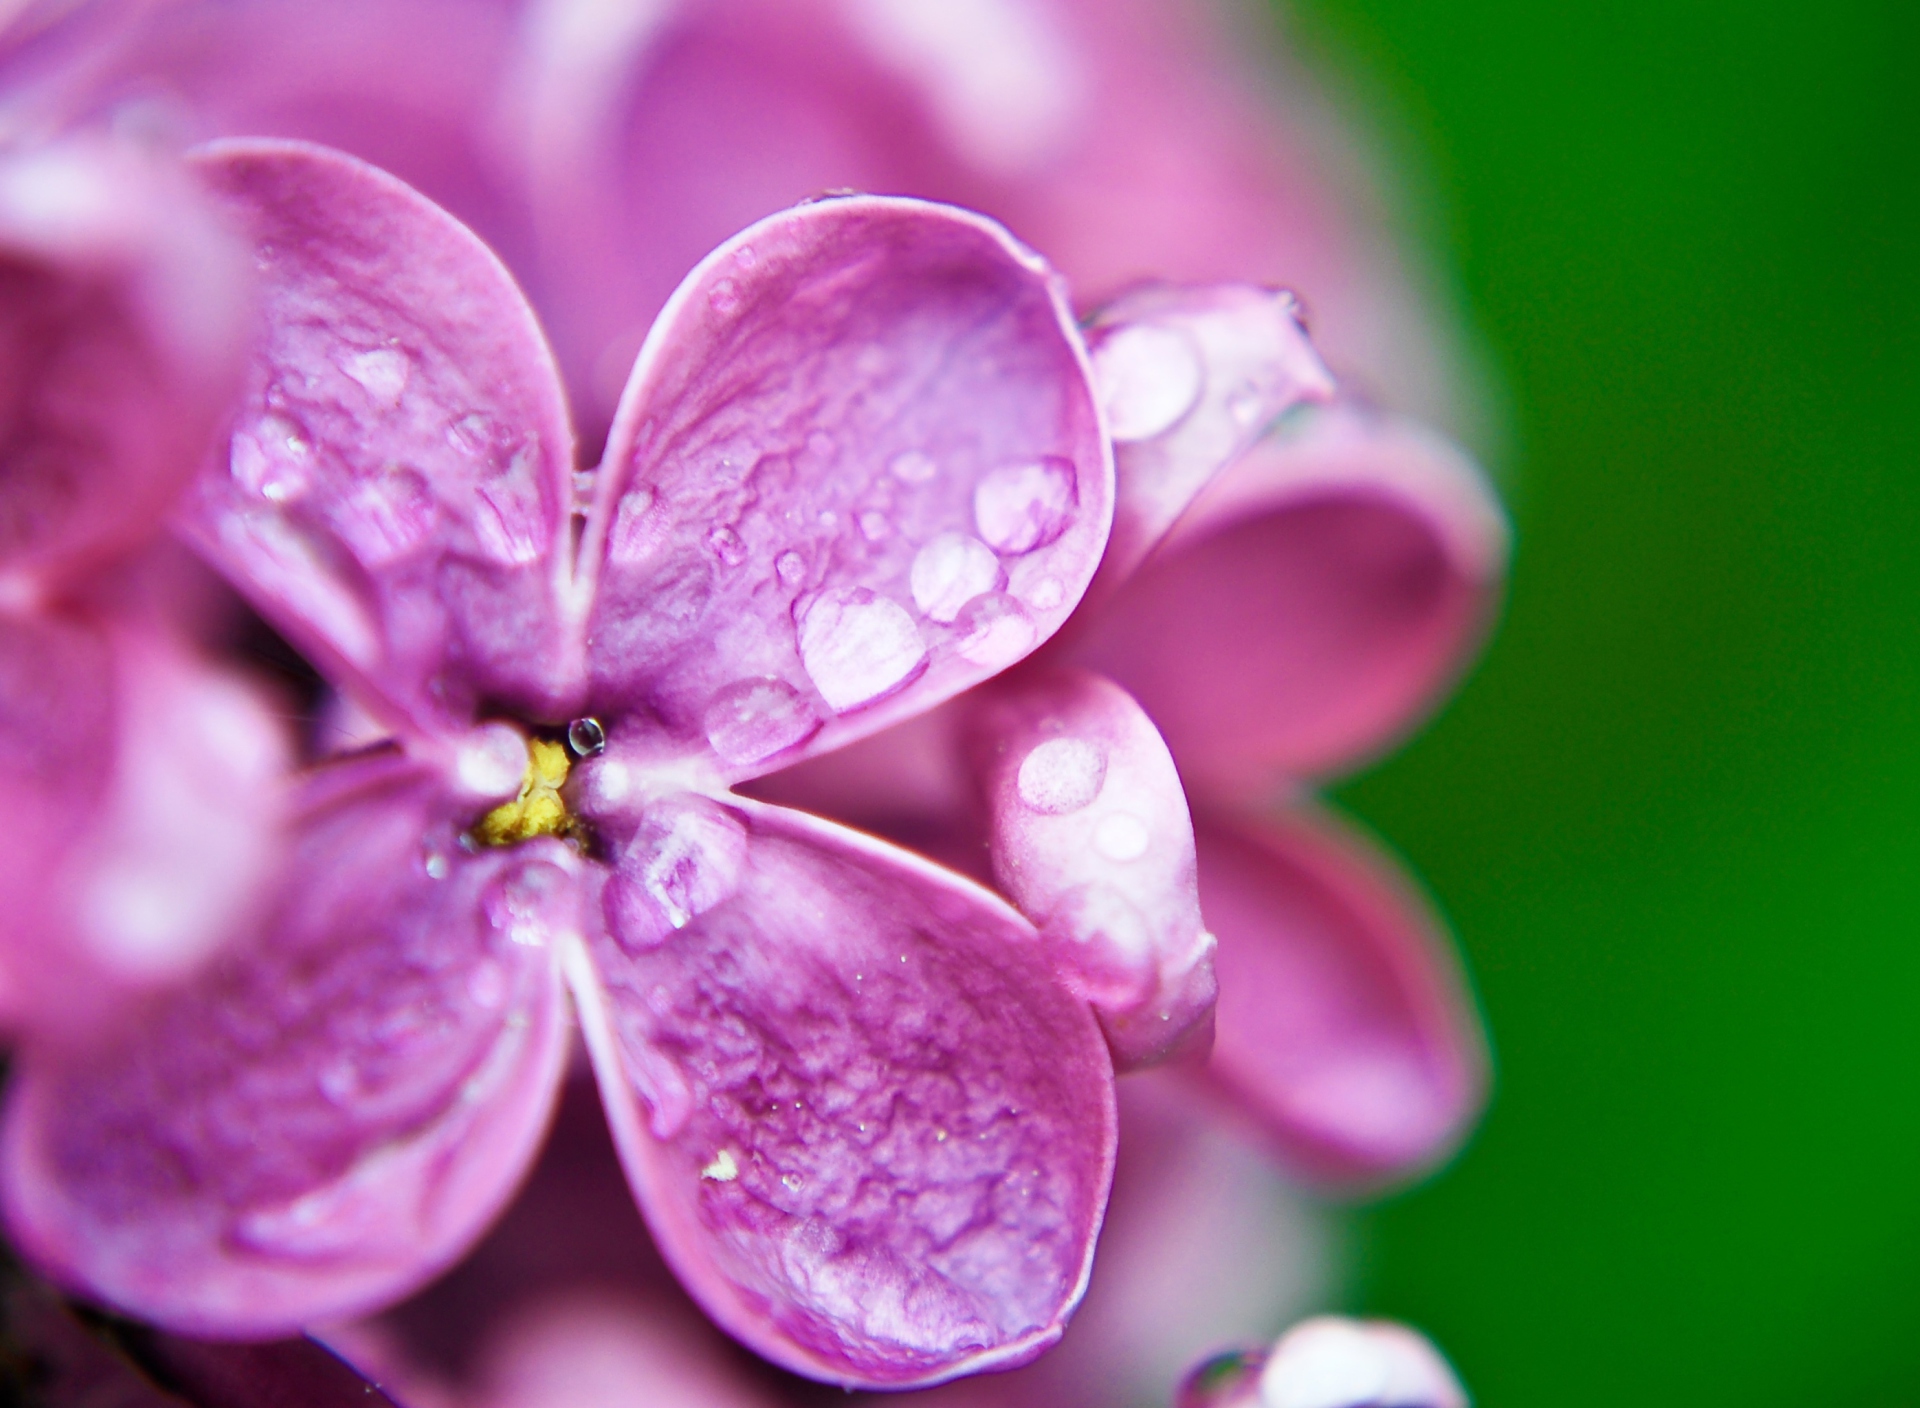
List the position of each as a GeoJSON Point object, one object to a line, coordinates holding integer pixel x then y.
{"type": "Point", "coordinates": [1675, 815]}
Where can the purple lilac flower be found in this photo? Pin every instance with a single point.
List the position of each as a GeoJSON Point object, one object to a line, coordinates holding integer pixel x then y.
{"type": "Point", "coordinates": [870, 1127]}
{"type": "Point", "coordinates": [141, 784]}
{"type": "Point", "coordinates": [1330, 1362]}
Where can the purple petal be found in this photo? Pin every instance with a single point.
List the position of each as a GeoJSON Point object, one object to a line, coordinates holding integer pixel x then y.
{"type": "Point", "coordinates": [122, 320]}
{"type": "Point", "coordinates": [858, 469]}
{"type": "Point", "coordinates": [1314, 604]}
{"type": "Point", "coordinates": [142, 825]}
{"type": "Point", "coordinates": [1091, 839]}
{"type": "Point", "coordinates": [1189, 378]}
{"type": "Point", "coordinates": [1344, 1025]}
{"type": "Point", "coordinates": [326, 1119]}
{"type": "Point", "coordinates": [396, 489]}
{"type": "Point", "coordinates": [868, 1128]}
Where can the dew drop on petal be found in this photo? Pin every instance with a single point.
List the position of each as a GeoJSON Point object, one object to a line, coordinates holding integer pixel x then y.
{"type": "Point", "coordinates": [381, 372]}
{"type": "Point", "coordinates": [525, 903]}
{"type": "Point", "coordinates": [1020, 507]}
{"type": "Point", "coordinates": [270, 459]}
{"type": "Point", "coordinates": [586, 737]}
{"type": "Point", "coordinates": [994, 630]}
{"type": "Point", "coordinates": [725, 544]}
{"type": "Point", "coordinates": [791, 568]}
{"type": "Point", "coordinates": [724, 296]}
{"type": "Point", "coordinates": [1062, 775]}
{"type": "Point", "coordinates": [874, 526]}
{"type": "Point", "coordinates": [1149, 377]}
{"type": "Point", "coordinates": [951, 570]}
{"type": "Point", "coordinates": [1047, 593]}
{"type": "Point", "coordinates": [686, 857]}
{"type": "Point", "coordinates": [857, 646]}
{"type": "Point", "coordinates": [912, 467]}
{"type": "Point", "coordinates": [750, 720]}
{"type": "Point", "coordinates": [1121, 836]}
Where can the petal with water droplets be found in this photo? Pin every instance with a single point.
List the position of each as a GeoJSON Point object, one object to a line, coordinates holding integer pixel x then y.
{"type": "Point", "coordinates": [1343, 1025]}
{"type": "Point", "coordinates": [1314, 604]}
{"type": "Point", "coordinates": [858, 468]}
{"type": "Point", "coordinates": [870, 1130]}
{"type": "Point", "coordinates": [1091, 838]}
{"type": "Point", "coordinates": [122, 321]}
{"type": "Point", "coordinates": [323, 1120]}
{"type": "Point", "coordinates": [395, 492]}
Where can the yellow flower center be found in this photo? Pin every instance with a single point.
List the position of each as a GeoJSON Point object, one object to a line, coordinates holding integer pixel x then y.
{"type": "Point", "coordinates": [539, 809]}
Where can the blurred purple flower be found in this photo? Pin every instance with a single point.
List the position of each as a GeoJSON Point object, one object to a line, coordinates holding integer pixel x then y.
{"type": "Point", "coordinates": [1329, 1362]}
{"type": "Point", "coordinates": [141, 784]}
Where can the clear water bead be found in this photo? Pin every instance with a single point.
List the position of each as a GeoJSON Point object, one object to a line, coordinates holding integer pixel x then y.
{"type": "Point", "coordinates": [586, 737]}
{"type": "Point", "coordinates": [857, 647]}
{"type": "Point", "coordinates": [1020, 507]}
{"type": "Point", "coordinates": [1149, 378]}
{"type": "Point", "coordinates": [750, 720]}
{"type": "Point", "coordinates": [381, 372]}
{"type": "Point", "coordinates": [1062, 775]}
{"type": "Point", "coordinates": [994, 631]}
{"type": "Point", "coordinates": [949, 571]}
{"type": "Point", "coordinates": [912, 467]}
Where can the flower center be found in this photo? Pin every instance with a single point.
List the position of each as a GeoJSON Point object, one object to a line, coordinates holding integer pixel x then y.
{"type": "Point", "coordinates": [538, 809]}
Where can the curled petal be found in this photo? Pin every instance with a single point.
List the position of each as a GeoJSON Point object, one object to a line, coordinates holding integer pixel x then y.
{"type": "Point", "coordinates": [1091, 839]}
{"type": "Point", "coordinates": [1189, 378]}
{"type": "Point", "coordinates": [1314, 603]}
{"type": "Point", "coordinates": [329, 1117]}
{"type": "Point", "coordinates": [142, 822]}
{"type": "Point", "coordinates": [122, 320]}
{"type": "Point", "coordinates": [1344, 1025]}
{"type": "Point", "coordinates": [396, 488]}
{"type": "Point", "coordinates": [868, 1128]}
{"type": "Point", "coordinates": [858, 469]}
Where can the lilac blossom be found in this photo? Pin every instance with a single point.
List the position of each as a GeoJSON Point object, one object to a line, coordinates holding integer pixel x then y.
{"type": "Point", "coordinates": [141, 783]}
{"type": "Point", "coordinates": [870, 1128]}
{"type": "Point", "coordinates": [1330, 1361]}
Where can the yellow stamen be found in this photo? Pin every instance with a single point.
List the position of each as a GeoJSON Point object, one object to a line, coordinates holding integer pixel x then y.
{"type": "Point", "coordinates": [539, 810]}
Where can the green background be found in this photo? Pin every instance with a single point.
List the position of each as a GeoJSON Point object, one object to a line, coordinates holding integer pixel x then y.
{"type": "Point", "coordinates": [1675, 815]}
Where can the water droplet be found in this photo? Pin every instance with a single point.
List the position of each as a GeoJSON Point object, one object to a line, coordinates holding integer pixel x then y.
{"type": "Point", "coordinates": [791, 567]}
{"type": "Point", "coordinates": [586, 737]}
{"type": "Point", "coordinates": [528, 903]}
{"type": "Point", "coordinates": [1020, 507]}
{"type": "Point", "coordinates": [685, 859]}
{"type": "Point", "coordinates": [632, 537]}
{"type": "Point", "coordinates": [1149, 378]}
{"type": "Point", "coordinates": [949, 571]}
{"type": "Point", "coordinates": [270, 459]}
{"type": "Point", "coordinates": [828, 518]}
{"type": "Point", "coordinates": [858, 647]}
{"type": "Point", "coordinates": [994, 630]}
{"type": "Point", "coordinates": [381, 372]}
{"type": "Point", "coordinates": [912, 467]}
{"type": "Point", "coordinates": [387, 515]}
{"type": "Point", "coordinates": [1243, 404]}
{"type": "Point", "coordinates": [1047, 593]}
{"type": "Point", "coordinates": [874, 526]}
{"type": "Point", "coordinates": [746, 257]}
{"type": "Point", "coordinates": [724, 296]}
{"type": "Point", "coordinates": [750, 720]}
{"type": "Point", "coordinates": [1225, 1381]}
{"type": "Point", "coordinates": [437, 867]}
{"type": "Point", "coordinates": [725, 544]}
{"type": "Point", "coordinates": [1121, 836]}
{"type": "Point", "coordinates": [1062, 775]}
{"type": "Point", "coordinates": [793, 1182]}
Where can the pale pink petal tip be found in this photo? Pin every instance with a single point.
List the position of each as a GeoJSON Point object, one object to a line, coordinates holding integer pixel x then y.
{"type": "Point", "coordinates": [396, 484]}
{"type": "Point", "coordinates": [123, 308]}
{"type": "Point", "coordinates": [1330, 1361]}
{"type": "Point", "coordinates": [1314, 603]}
{"type": "Point", "coordinates": [1091, 839]}
{"type": "Point", "coordinates": [322, 1121]}
{"type": "Point", "coordinates": [1344, 1026]}
{"type": "Point", "coordinates": [858, 468]}
{"type": "Point", "coordinates": [868, 1129]}
{"type": "Point", "coordinates": [1189, 377]}
{"type": "Point", "coordinates": [144, 818]}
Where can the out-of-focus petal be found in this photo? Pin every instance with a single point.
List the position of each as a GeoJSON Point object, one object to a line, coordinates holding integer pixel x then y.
{"type": "Point", "coordinates": [329, 1117]}
{"type": "Point", "coordinates": [858, 469]}
{"type": "Point", "coordinates": [1091, 839]}
{"type": "Point", "coordinates": [1315, 602]}
{"type": "Point", "coordinates": [869, 1129]}
{"type": "Point", "coordinates": [122, 320]}
{"type": "Point", "coordinates": [395, 494]}
{"type": "Point", "coordinates": [144, 798]}
{"type": "Point", "coordinates": [1344, 1025]}
{"type": "Point", "coordinates": [1189, 378]}
{"type": "Point", "coordinates": [1330, 1362]}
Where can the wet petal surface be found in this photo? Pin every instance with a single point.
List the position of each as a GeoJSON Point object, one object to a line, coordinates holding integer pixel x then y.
{"type": "Point", "coordinates": [870, 1131]}
{"type": "Point", "coordinates": [1343, 1024]}
{"type": "Point", "coordinates": [1314, 603]}
{"type": "Point", "coordinates": [858, 469]}
{"type": "Point", "coordinates": [1091, 839]}
{"type": "Point", "coordinates": [395, 491]}
{"type": "Point", "coordinates": [326, 1119]}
